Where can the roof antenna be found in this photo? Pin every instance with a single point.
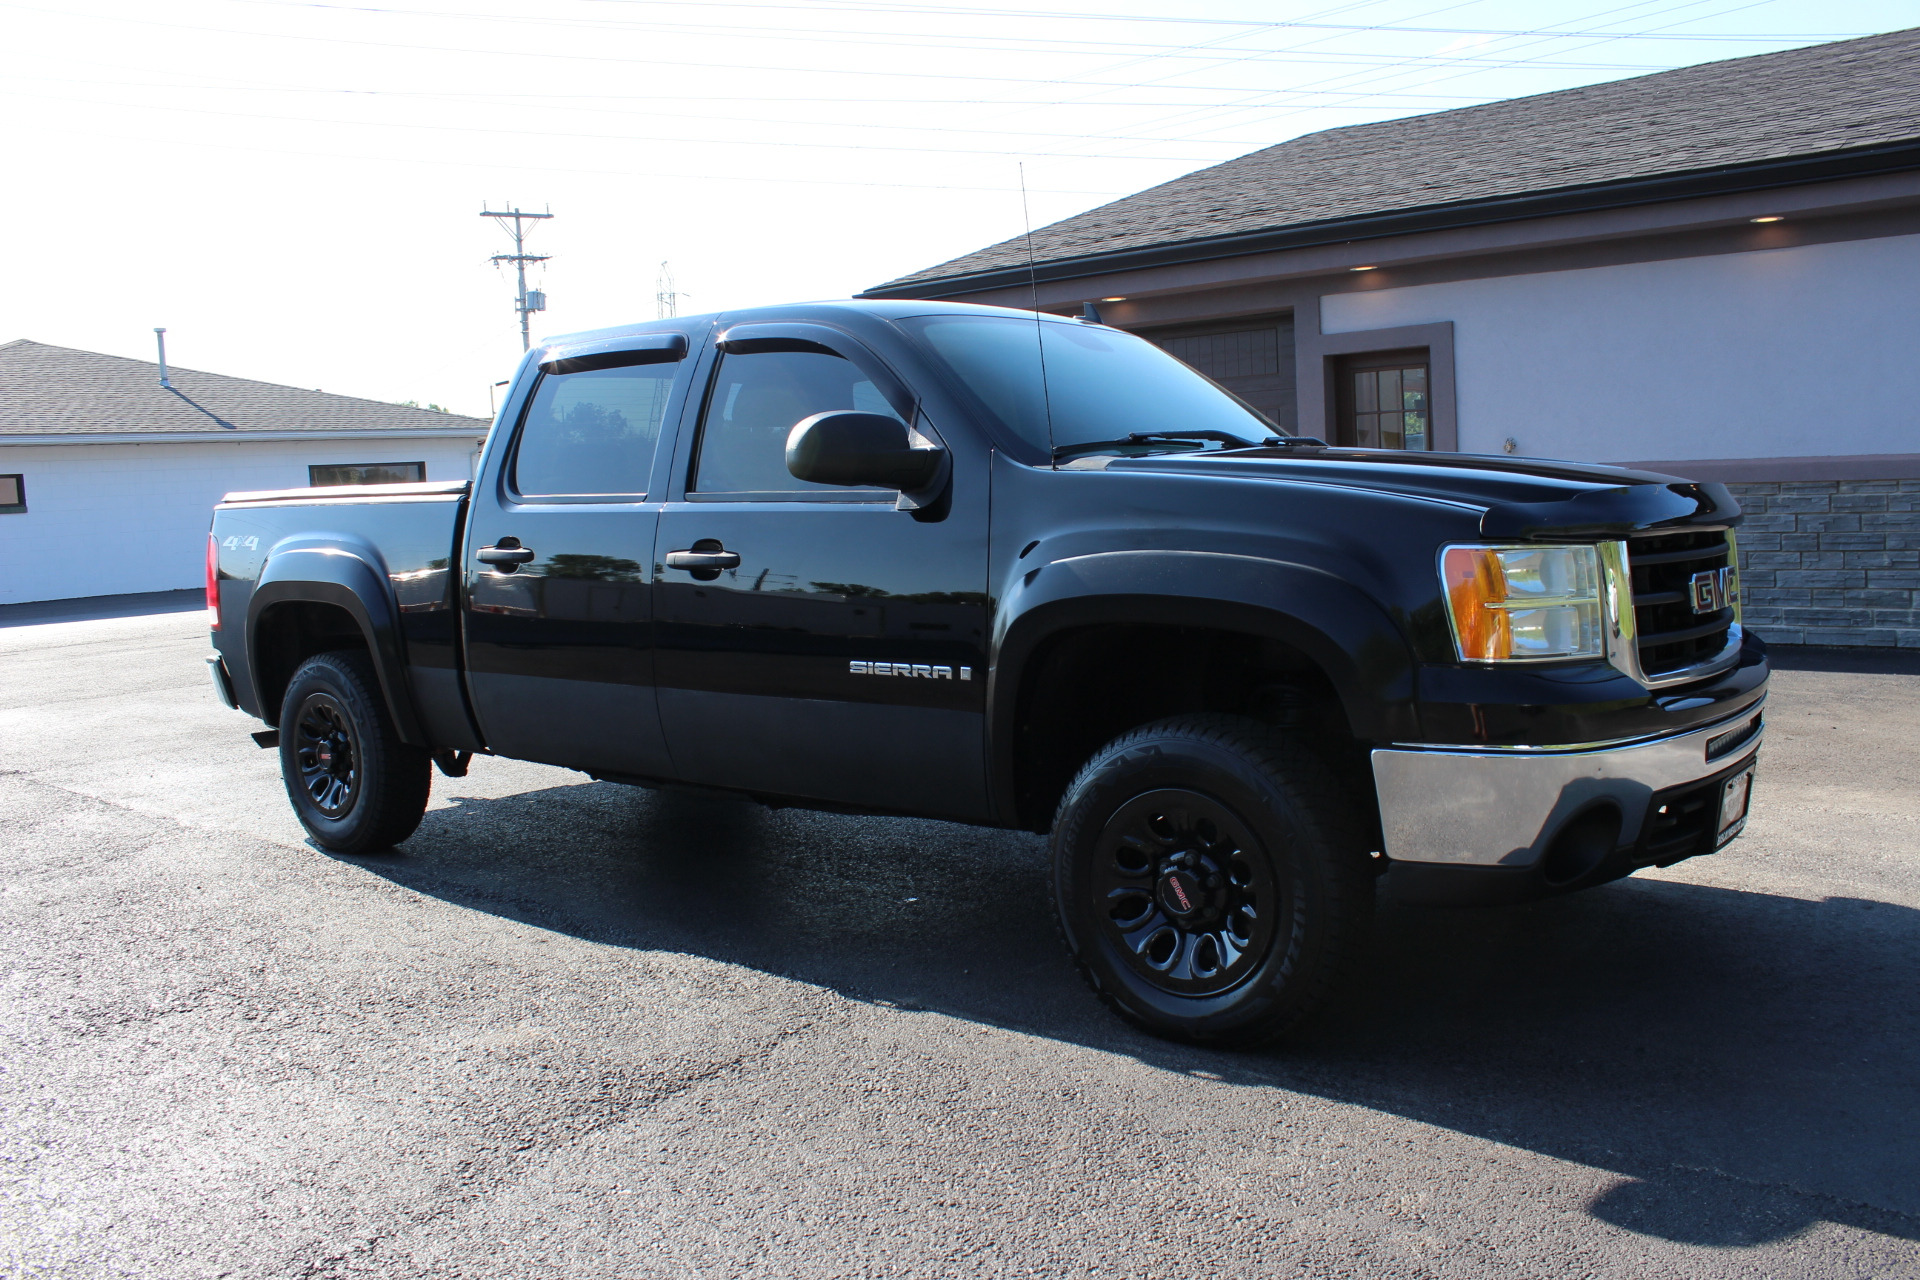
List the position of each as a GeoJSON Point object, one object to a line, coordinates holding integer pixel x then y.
{"type": "Point", "coordinates": [1039, 334]}
{"type": "Point", "coordinates": [160, 335]}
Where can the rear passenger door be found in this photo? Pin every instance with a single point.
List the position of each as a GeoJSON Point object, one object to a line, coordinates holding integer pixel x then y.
{"type": "Point", "coordinates": [559, 617]}
{"type": "Point", "coordinates": [835, 650]}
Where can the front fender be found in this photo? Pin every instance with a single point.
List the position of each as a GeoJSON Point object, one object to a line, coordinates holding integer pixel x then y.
{"type": "Point", "coordinates": [1344, 631]}
{"type": "Point", "coordinates": [347, 573]}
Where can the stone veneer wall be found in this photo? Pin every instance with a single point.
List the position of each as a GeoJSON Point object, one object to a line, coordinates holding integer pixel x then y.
{"type": "Point", "coordinates": [1832, 562]}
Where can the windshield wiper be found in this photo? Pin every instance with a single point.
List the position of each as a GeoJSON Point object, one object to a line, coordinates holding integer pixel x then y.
{"type": "Point", "coordinates": [1148, 437]}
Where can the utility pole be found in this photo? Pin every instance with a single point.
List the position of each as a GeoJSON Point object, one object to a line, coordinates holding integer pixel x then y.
{"type": "Point", "coordinates": [666, 299]}
{"type": "Point", "coordinates": [524, 302]}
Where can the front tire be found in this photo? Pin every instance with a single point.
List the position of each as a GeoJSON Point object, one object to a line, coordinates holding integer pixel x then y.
{"type": "Point", "coordinates": [355, 786]}
{"type": "Point", "coordinates": [1210, 880]}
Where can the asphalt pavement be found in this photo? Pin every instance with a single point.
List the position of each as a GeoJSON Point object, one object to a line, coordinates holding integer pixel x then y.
{"type": "Point", "coordinates": [573, 1029]}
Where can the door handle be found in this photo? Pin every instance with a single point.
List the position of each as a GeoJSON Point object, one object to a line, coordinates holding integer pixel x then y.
{"type": "Point", "coordinates": [508, 553]}
{"type": "Point", "coordinates": [703, 558]}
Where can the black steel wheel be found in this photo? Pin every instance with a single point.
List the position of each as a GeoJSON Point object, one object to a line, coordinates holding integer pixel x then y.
{"type": "Point", "coordinates": [326, 754]}
{"type": "Point", "coordinates": [1209, 880]}
{"type": "Point", "coordinates": [355, 786]}
{"type": "Point", "coordinates": [1190, 898]}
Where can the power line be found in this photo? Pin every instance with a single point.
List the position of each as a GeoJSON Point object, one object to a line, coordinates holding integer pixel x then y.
{"type": "Point", "coordinates": [540, 100]}
{"type": "Point", "coordinates": [1263, 99]}
{"type": "Point", "coordinates": [998, 15]}
{"type": "Point", "coordinates": [62, 126]}
{"type": "Point", "coordinates": [964, 11]}
{"type": "Point", "coordinates": [1359, 59]}
{"type": "Point", "coordinates": [627, 137]}
{"type": "Point", "coordinates": [1297, 46]}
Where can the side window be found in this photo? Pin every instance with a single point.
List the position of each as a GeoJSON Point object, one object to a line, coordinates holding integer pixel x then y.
{"type": "Point", "coordinates": [592, 432]}
{"type": "Point", "coordinates": [756, 400]}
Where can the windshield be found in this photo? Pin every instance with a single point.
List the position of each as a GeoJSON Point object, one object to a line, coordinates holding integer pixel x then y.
{"type": "Point", "coordinates": [1101, 385]}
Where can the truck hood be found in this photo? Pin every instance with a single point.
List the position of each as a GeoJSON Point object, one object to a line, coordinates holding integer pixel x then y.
{"type": "Point", "coordinates": [1517, 497]}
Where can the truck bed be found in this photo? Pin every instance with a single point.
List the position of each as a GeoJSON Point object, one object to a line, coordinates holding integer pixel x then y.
{"type": "Point", "coordinates": [291, 577]}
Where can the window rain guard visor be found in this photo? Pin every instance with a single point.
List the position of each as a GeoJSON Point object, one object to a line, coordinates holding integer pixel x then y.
{"type": "Point", "coordinates": [615, 353]}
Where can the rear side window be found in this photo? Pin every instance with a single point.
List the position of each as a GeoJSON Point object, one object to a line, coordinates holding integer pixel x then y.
{"type": "Point", "coordinates": [592, 433]}
{"type": "Point", "coordinates": [756, 401]}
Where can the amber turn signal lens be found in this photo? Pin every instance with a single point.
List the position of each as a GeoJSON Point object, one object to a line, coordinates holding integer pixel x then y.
{"type": "Point", "coordinates": [1476, 590]}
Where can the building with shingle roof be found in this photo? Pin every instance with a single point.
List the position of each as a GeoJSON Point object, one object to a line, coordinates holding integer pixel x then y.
{"type": "Point", "coordinates": [1751, 124]}
{"type": "Point", "coordinates": [1709, 271]}
{"type": "Point", "coordinates": [61, 394]}
{"type": "Point", "coordinates": [109, 472]}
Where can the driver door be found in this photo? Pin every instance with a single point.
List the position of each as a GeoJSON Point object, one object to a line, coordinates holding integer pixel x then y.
{"type": "Point", "coordinates": [835, 649]}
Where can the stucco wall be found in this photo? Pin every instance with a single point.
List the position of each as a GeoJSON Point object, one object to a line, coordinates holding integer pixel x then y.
{"type": "Point", "coordinates": [1793, 352]}
{"type": "Point", "coordinates": [115, 519]}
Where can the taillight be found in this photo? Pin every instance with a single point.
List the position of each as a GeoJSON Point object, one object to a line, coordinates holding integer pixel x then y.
{"type": "Point", "coordinates": [213, 583]}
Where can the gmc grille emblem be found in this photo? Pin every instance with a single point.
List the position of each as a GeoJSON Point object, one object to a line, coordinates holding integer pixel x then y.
{"type": "Point", "coordinates": [1711, 589]}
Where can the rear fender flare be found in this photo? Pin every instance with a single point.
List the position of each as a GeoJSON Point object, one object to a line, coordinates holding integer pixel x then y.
{"type": "Point", "coordinates": [345, 573]}
{"type": "Point", "coordinates": [1344, 631]}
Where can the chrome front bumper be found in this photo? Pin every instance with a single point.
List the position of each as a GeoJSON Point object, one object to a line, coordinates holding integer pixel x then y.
{"type": "Point", "coordinates": [1482, 807]}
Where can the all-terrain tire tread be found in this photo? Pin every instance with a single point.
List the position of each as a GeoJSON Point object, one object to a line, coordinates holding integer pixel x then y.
{"type": "Point", "coordinates": [1320, 800]}
{"type": "Point", "coordinates": [399, 775]}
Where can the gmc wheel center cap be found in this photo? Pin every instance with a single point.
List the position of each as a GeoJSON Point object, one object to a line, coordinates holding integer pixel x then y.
{"type": "Point", "coordinates": [1180, 893]}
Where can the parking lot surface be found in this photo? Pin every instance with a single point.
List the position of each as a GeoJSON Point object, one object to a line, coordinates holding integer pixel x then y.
{"type": "Point", "coordinates": [574, 1029]}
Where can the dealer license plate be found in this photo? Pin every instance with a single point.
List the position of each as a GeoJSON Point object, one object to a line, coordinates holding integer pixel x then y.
{"type": "Point", "coordinates": [1735, 795]}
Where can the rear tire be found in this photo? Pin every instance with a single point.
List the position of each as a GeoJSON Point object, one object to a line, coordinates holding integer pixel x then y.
{"type": "Point", "coordinates": [355, 786]}
{"type": "Point", "coordinates": [1210, 880]}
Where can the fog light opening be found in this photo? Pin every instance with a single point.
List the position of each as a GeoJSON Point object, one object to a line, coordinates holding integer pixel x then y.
{"type": "Point", "coordinates": [1581, 846]}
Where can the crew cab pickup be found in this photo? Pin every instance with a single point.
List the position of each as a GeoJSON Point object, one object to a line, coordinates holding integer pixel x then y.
{"type": "Point", "coordinates": [1016, 570]}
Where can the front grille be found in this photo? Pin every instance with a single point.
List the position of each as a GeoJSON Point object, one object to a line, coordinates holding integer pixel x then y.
{"type": "Point", "coordinates": [1672, 637]}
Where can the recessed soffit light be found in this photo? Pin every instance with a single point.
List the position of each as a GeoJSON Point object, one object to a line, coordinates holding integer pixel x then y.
{"type": "Point", "coordinates": [1363, 268]}
{"type": "Point", "coordinates": [1113, 299]}
{"type": "Point", "coordinates": [1771, 217]}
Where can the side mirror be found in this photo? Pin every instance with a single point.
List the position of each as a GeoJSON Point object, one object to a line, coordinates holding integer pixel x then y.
{"type": "Point", "coordinates": [865, 450]}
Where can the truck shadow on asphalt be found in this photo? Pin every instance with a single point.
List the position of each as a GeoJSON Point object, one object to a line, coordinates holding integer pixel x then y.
{"type": "Point", "coordinates": [1749, 1064]}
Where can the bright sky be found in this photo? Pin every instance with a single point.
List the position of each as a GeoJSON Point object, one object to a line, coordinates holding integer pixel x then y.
{"type": "Point", "coordinates": [292, 187]}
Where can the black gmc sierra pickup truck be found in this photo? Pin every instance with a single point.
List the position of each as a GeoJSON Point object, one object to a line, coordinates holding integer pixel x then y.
{"type": "Point", "coordinates": [974, 564]}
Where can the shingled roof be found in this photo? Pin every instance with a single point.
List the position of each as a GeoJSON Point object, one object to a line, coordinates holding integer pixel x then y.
{"type": "Point", "coordinates": [1850, 98]}
{"type": "Point", "coordinates": [58, 392]}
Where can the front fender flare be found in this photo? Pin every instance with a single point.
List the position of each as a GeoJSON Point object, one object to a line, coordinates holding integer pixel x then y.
{"type": "Point", "coordinates": [346, 575]}
{"type": "Point", "coordinates": [1346, 632]}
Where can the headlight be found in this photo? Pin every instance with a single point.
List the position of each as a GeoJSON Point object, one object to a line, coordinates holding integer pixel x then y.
{"type": "Point", "coordinates": [1521, 604]}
